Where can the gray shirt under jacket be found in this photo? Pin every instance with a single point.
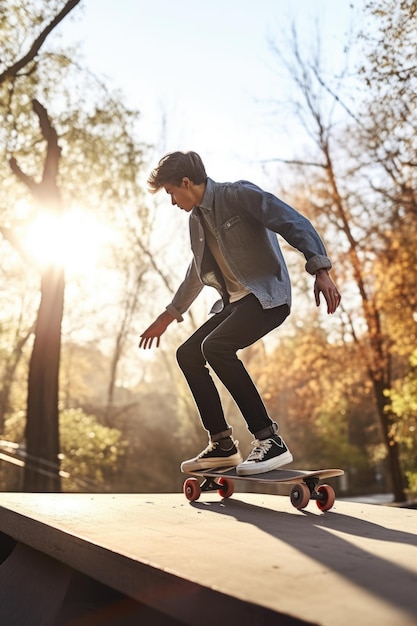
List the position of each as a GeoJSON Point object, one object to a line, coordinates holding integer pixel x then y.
{"type": "Point", "coordinates": [246, 220]}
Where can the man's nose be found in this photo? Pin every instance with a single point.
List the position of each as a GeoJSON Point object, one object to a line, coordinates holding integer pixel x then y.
{"type": "Point", "coordinates": [173, 201]}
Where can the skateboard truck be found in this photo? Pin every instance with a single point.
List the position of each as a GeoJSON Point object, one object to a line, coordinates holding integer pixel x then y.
{"type": "Point", "coordinates": [302, 493]}
{"type": "Point", "coordinates": [224, 487]}
{"type": "Point", "coordinates": [213, 484]}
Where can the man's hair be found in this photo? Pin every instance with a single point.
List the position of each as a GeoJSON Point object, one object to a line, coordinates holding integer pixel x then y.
{"type": "Point", "coordinates": [173, 167]}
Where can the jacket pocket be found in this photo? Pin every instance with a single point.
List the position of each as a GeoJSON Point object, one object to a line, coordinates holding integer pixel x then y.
{"type": "Point", "coordinates": [236, 231]}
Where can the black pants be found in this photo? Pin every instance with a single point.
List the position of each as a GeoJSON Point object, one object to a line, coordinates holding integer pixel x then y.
{"type": "Point", "coordinates": [216, 342]}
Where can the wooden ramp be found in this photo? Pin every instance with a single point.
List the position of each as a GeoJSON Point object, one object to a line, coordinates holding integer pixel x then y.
{"type": "Point", "coordinates": [157, 560]}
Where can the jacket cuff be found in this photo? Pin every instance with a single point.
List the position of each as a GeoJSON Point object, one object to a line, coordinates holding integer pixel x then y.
{"type": "Point", "coordinates": [318, 262]}
{"type": "Point", "coordinates": [173, 311]}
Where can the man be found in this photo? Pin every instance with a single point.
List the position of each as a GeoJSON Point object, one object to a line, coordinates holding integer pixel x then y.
{"type": "Point", "coordinates": [235, 249]}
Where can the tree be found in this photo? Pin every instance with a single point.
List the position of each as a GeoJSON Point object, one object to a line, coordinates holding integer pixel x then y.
{"type": "Point", "coordinates": [10, 361]}
{"type": "Point", "coordinates": [11, 71]}
{"type": "Point", "coordinates": [387, 129]}
{"type": "Point", "coordinates": [42, 430]}
{"type": "Point", "coordinates": [343, 191]}
{"type": "Point", "coordinates": [313, 389]}
{"type": "Point", "coordinates": [42, 433]}
{"type": "Point", "coordinates": [403, 404]}
{"type": "Point", "coordinates": [91, 452]}
{"type": "Point", "coordinates": [388, 121]}
{"type": "Point", "coordinates": [100, 152]}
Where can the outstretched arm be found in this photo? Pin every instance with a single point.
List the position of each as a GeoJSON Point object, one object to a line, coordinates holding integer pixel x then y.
{"type": "Point", "coordinates": [155, 330]}
{"type": "Point", "coordinates": [185, 295]}
{"type": "Point", "coordinates": [324, 284]}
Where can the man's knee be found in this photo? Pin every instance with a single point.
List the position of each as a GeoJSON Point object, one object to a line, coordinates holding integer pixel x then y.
{"type": "Point", "coordinates": [181, 355]}
{"type": "Point", "coordinates": [189, 355]}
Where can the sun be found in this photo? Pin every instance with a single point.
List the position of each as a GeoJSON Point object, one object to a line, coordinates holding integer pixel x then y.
{"type": "Point", "coordinates": [73, 240]}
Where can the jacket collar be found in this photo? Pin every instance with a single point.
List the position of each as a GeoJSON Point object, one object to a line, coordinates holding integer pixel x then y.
{"type": "Point", "coordinates": [207, 202]}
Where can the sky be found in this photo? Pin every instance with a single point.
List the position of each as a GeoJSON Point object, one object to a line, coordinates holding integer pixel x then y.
{"type": "Point", "coordinates": [202, 73]}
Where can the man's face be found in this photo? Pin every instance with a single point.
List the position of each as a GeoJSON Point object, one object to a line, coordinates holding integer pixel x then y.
{"type": "Point", "coordinates": [182, 195]}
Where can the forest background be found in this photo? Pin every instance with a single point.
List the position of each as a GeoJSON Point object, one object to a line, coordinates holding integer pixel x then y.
{"type": "Point", "coordinates": [88, 258]}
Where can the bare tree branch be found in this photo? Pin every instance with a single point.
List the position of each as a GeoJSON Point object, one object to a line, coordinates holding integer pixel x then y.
{"type": "Point", "coordinates": [47, 189]}
{"type": "Point", "coordinates": [24, 178]}
{"type": "Point", "coordinates": [50, 170]}
{"type": "Point", "coordinates": [335, 96]}
{"type": "Point", "coordinates": [12, 71]}
{"type": "Point", "coordinates": [294, 162]}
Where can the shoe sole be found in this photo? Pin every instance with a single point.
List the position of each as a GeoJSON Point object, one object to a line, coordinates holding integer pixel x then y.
{"type": "Point", "coordinates": [264, 466]}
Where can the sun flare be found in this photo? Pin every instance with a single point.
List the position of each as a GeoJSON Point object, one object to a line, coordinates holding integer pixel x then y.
{"type": "Point", "coordinates": [73, 240]}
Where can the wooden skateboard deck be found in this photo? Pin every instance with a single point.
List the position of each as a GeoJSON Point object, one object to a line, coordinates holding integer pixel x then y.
{"type": "Point", "coordinates": [305, 484]}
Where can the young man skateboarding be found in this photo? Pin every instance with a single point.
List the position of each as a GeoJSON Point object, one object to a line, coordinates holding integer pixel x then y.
{"type": "Point", "coordinates": [235, 249]}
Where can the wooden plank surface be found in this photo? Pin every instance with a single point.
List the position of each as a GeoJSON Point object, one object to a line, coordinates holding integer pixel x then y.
{"type": "Point", "coordinates": [355, 564]}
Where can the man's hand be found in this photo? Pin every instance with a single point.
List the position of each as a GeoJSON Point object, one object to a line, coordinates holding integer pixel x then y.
{"type": "Point", "coordinates": [326, 286]}
{"type": "Point", "coordinates": [155, 330]}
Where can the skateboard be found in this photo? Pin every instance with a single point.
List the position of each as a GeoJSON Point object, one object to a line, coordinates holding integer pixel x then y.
{"type": "Point", "coordinates": [306, 485]}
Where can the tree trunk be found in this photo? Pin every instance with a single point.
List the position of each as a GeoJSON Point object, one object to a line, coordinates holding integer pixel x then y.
{"type": "Point", "coordinates": [42, 427]}
{"type": "Point", "coordinates": [393, 451]}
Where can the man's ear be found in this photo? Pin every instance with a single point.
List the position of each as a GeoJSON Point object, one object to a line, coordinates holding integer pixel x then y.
{"type": "Point", "coordinates": [186, 182]}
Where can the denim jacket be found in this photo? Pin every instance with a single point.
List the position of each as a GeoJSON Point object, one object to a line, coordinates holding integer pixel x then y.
{"type": "Point", "coordinates": [245, 220]}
